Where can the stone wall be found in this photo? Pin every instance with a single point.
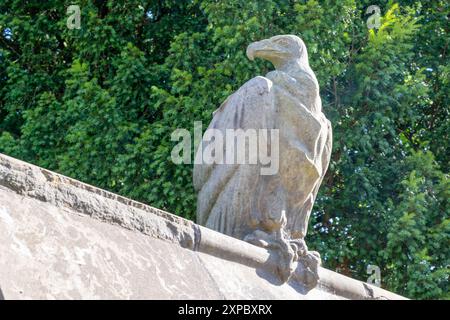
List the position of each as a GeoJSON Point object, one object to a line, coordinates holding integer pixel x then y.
{"type": "Point", "coordinates": [63, 239]}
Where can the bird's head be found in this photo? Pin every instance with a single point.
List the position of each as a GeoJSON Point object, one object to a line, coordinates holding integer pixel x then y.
{"type": "Point", "coordinates": [280, 50]}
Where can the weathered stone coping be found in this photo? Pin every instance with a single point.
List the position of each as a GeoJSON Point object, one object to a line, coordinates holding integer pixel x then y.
{"type": "Point", "coordinates": [35, 182]}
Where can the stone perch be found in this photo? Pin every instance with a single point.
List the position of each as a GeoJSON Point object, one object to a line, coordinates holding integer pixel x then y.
{"type": "Point", "coordinates": [271, 211]}
{"type": "Point", "coordinates": [63, 239]}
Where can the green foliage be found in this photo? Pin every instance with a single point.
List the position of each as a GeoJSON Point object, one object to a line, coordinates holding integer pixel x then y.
{"type": "Point", "coordinates": [99, 104]}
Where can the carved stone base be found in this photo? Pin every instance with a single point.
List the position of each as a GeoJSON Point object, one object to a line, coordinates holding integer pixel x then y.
{"type": "Point", "coordinates": [63, 239]}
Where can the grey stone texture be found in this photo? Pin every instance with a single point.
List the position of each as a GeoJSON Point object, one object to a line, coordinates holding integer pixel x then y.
{"type": "Point", "coordinates": [63, 239]}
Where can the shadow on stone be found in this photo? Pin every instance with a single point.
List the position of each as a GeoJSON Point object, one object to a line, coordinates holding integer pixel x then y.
{"type": "Point", "coordinates": [1, 295]}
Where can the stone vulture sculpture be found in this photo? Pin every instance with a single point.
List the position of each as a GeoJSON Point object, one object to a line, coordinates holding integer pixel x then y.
{"type": "Point", "coordinates": [272, 210]}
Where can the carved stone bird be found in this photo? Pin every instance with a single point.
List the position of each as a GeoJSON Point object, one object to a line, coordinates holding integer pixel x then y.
{"type": "Point", "coordinates": [270, 210]}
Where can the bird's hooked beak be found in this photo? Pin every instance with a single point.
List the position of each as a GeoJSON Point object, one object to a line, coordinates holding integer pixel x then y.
{"type": "Point", "coordinates": [264, 49]}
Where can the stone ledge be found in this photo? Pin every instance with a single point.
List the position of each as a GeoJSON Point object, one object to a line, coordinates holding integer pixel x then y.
{"type": "Point", "coordinates": [47, 191]}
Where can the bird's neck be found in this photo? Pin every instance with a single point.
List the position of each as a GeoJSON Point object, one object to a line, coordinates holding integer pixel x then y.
{"type": "Point", "coordinates": [295, 67]}
{"type": "Point", "coordinates": [302, 72]}
{"type": "Point", "coordinates": [290, 66]}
